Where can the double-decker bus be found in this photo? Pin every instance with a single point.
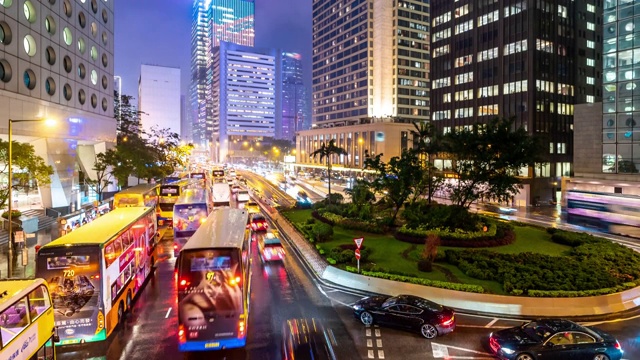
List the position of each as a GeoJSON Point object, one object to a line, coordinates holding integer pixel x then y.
{"type": "Point", "coordinates": [96, 271]}
{"type": "Point", "coordinates": [217, 176]}
{"type": "Point", "coordinates": [214, 283]}
{"type": "Point", "coordinates": [191, 210]}
{"type": "Point", "coordinates": [142, 195]}
{"type": "Point", "coordinates": [611, 213]}
{"type": "Point", "coordinates": [169, 194]}
{"type": "Point", "coordinates": [27, 325]}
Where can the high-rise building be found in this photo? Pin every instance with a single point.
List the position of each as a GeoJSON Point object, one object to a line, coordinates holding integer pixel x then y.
{"type": "Point", "coordinates": [159, 98]}
{"type": "Point", "coordinates": [57, 62]}
{"type": "Point", "coordinates": [295, 104]}
{"type": "Point", "coordinates": [185, 121]}
{"type": "Point", "coordinates": [246, 90]}
{"type": "Point", "coordinates": [214, 21]}
{"type": "Point", "coordinates": [370, 66]}
{"type": "Point", "coordinates": [528, 59]}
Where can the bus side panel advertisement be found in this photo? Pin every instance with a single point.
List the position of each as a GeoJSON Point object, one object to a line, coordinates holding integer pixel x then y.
{"type": "Point", "coordinates": [22, 346]}
{"type": "Point", "coordinates": [210, 301]}
{"type": "Point", "coordinates": [74, 279]}
{"type": "Point", "coordinates": [188, 219]}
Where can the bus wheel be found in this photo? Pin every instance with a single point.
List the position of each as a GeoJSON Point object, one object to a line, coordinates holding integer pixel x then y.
{"type": "Point", "coordinates": [120, 314]}
{"type": "Point", "coordinates": [129, 301]}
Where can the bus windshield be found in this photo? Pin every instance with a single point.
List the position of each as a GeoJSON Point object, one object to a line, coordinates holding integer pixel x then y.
{"type": "Point", "coordinates": [169, 190]}
{"type": "Point", "coordinates": [73, 276]}
{"type": "Point", "coordinates": [187, 218]}
{"type": "Point", "coordinates": [126, 201]}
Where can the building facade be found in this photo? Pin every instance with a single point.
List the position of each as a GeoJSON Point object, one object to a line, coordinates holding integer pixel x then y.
{"type": "Point", "coordinates": [214, 22]}
{"type": "Point", "coordinates": [246, 92]}
{"type": "Point", "coordinates": [159, 98]}
{"type": "Point", "coordinates": [295, 105]}
{"type": "Point", "coordinates": [56, 61]}
{"type": "Point", "coordinates": [185, 121]}
{"type": "Point", "coordinates": [533, 60]}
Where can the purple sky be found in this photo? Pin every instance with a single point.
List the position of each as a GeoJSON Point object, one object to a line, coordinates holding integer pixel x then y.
{"type": "Point", "coordinates": [158, 32]}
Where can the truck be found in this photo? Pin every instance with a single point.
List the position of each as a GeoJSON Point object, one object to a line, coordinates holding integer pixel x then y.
{"type": "Point", "coordinates": [221, 194]}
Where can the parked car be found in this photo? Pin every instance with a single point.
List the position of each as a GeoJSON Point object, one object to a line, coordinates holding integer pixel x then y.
{"type": "Point", "coordinates": [305, 339]}
{"type": "Point", "coordinates": [407, 312]}
{"type": "Point", "coordinates": [270, 247]}
{"type": "Point", "coordinates": [554, 339]}
{"type": "Point", "coordinates": [258, 223]}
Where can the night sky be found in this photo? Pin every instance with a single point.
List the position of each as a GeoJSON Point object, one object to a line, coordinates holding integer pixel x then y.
{"type": "Point", "coordinates": [158, 32]}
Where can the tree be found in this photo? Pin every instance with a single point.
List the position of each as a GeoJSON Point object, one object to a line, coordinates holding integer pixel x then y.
{"type": "Point", "coordinates": [325, 151]}
{"type": "Point", "coordinates": [26, 168]}
{"type": "Point", "coordinates": [361, 193]}
{"type": "Point", "coordinates": [395, 179]}
{"type": "Point", "coordinates": [488, 159]}
{"type": "Point", "coordinates": [103, 176]}
{"type": "Point", "coordinates": [426, 142]}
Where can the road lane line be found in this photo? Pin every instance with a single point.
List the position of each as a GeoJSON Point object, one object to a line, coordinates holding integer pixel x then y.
{"type": "Point", "coordinates": [380, 354]}
{"type": "Point", "coordinates": [483, 326]}
{"type": "Point", "coordinates": [369, 343]}
{"type": "Point", "coordinates": [379, 343]}
{"type": "Point", "coordinates": [370, 354]}
{"type": "Point", "coordinates": [168, 312]}
{"type": "Point", "coordinates": [377, 332]}
{"type": "Point", "coordinates": [333, 338]}
{"type": "Point", "coordinates": [439, 351]}
{"type": "Point", "coordinates": [460, 349]}
{"type": "Point", "coordinates": [368, 332]}
{"type": "Point", "coordinates": [495, 320]}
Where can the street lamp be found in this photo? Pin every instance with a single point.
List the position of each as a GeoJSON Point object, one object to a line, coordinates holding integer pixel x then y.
{"type": "Point", "coordinates": [10, 184]}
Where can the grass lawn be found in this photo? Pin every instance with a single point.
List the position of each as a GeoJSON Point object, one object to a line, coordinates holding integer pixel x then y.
{"type": "Point", "coordinates": [387, 251]}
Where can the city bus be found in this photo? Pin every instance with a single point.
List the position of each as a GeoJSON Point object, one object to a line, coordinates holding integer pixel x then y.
{"type": "Point", "coordinates": [143, 195]}
{"type": "Point", "coordinates": [201, 178]}
{"type": "Point", "coordinates": [168, 195]}
{"type": "Point", "coordinates": [611, 213]}
{"type": "Point", "coordinates": [27, 325]}
{"type": "Point", "coordinates": [96, 271]}
{"type": "Point", "coordinates": [213, 275]}
{"type": "Point", "coordinates": [190, 210]}
{"type": "Point", "coordinates": [217, 176]}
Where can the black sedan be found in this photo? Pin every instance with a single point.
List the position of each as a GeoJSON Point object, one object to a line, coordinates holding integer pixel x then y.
{"type": "Point", "coordinates": [408, 312]}
{"type": "Point", "coordinates": [554, 339]}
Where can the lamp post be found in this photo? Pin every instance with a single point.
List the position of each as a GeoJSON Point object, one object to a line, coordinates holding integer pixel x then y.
{"type": "Point", "coordinates": [10, 186]}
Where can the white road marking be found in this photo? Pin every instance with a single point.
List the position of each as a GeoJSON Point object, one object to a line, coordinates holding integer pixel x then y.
{"type": "Point", "coordinates": [483, 326]}
{"type": "Point", "coordinates": [369, 343]}
{"type": "Point", "coordinates": [609, 321]}
{"type": "Point", "coordinates": [333, 338]}
{"type": "Point", "coordinates": [460, 349]}
{"type": "Point", "coordinates": [168, 312]}
{"type": "Point", "coordinates": [370, 354]}
{"type": "Point", "coordinates": [439, 351]}
{"type": "Point", "coordinates": [368, 332]}
{"type": "Point", "coordinates": [377, 332]}
{"type": "Point", "coordinates": [379, 343]}
{"type": "Point", "coordinates": [495, 320]}
{"type": "Point", "coordinates": [380, 354]}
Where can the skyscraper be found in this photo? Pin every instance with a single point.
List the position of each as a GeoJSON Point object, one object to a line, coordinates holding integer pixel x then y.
{"type": "Point", "coordinates": [528, 59]}
{"type": "Point", "coordinates": [295, 105]}
{"type": "Point", "coordinates": [214, 21]}
{"type": "Point", "coordinates": [159, 97]}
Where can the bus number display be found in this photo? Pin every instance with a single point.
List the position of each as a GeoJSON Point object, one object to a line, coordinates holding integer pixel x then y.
{"type": "Point", "coordinates": [69, 273]}
{"type": "Point", "coordinates": [211, 276]}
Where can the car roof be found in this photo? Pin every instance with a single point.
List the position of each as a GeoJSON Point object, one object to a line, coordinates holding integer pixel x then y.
{"type": "Point", "coordinates": [413, 300]}
{"type": "Point", "coordinates": [559, 325]}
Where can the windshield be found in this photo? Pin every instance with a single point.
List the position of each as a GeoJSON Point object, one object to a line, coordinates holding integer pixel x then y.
{"type": "Point", "coordinates": [537, 331]}
{"type": "Point", "coordinates": [166, 190]}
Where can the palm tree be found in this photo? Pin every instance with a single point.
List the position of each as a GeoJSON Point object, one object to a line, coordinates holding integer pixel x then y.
{"type": "Point", "coordinates": [425, 143]}
{"type": "Point", "coordinates": [324, 152]}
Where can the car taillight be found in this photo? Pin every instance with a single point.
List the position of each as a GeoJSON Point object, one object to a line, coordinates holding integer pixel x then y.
{"type": "Point", "coordinates": [447, 322]}
{"type": "Point", "coordinates": [181, 337]}
{"type": "Point", "coordinates": [95, 277]}
{"type": "Point", "coordinates": [175, 246]}
{"type": "Point", "coordinates": [184, 283]}
{"type": "Point", "coordinates": [618, 347]}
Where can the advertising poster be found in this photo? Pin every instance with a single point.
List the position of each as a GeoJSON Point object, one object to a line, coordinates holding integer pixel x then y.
{"type": "Point", "coordinates": [73, 277]}
{"type": "Point", "coordinates": [210, 306]}
{"type": "Point", "coordinates": [187, 219]}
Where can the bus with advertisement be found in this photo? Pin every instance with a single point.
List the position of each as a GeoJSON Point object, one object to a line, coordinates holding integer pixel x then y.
{"type": "Point", "coordinates": [27, 324]}
{"type": "Point", "coordinates": [168, 195]}
{"type": "Point", "coordinates": [96, 271]}
{"type": "Point", "coordinates": [191, 210]}
{"type": "Point", "coordinates": [213, 275]}
{"type": "Point", "coordinates": [217, 176]}
{"type": "Point", "coordinates": [607, 212]}
{"type": "Point", "coordinates": [142, 195]}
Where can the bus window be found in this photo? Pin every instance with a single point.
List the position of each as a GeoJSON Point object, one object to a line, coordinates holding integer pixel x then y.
{"type": "Point", "coordinates": [117, 246]}
{"type": "Point", "coordinates": [126, 240]}
{"type": "Point", "coordinates": [13, 320]}
{"type": "Point", "coordinates": [38, 302]}
{"type": "Point", "coordinates": [110, 254]}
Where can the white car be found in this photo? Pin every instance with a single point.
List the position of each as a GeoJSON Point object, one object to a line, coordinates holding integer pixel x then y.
{"type": "Point", "coordinates": [242, 196]}
{"type": "Point", "coordinates": [235, 188]}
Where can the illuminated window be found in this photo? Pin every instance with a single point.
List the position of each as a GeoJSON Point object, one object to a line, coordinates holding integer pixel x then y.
{"type": "Point", "coordinates": [488, 54]}
{"type": "Point", "coordinates": [464, 95]}
{"type": "Point", "coordinates": [463, 60]}
{"type": "Point", "coordinates": [515, 47]}
{"type": "Point", "coordinates": [488, 18]}
{"type": "Point", "coordinates": [487, 110]}
{"type": "Point", "coordinates": [465, 26]}
{"type": "Point", "coordinates": [463, 78]}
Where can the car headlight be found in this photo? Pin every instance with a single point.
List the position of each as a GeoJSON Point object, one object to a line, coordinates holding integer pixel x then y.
{"type": "Point", "coordinates": [357, 307]}
{"type": "Point", "coordinates": [507, 351]}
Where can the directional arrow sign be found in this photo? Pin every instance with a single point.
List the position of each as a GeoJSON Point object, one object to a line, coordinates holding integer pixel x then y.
{"type": "Point", "coordinates": [358, 242]}
{"type": "Point", "coordinates": [358, 254]}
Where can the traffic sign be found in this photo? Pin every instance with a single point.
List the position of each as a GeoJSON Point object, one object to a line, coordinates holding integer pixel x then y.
{"type": "Point", "coordinates": [358, 241]}
{"type": "Point", "coordinates": [18, 236]}
{"type": "Point", "coordinates": [358, 254]}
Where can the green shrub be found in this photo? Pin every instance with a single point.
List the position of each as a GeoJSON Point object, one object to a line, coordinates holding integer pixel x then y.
{"type": "Point", "coordinates": [310, 221]}
{"type": "Point", "coordinates": [574, 239]}
{"type": "Point", "coordinates": [331, 261]}
{"type": "Point", "coordinates": [425, 265]}
{"type": "Point", "coordinates": [322, 232]}
{"type": "Point", "coordinates": [14, 214]}
{"type": "Point", "coordinates": [551, 230]}
{"type": "Point", "coordinates": [420, 281]}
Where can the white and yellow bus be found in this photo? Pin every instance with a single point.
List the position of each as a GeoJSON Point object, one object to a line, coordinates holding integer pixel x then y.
{"type": "Point", "coordinates": [143, 195]}
{"type": "Point", "coordinates": [169, 194]}
{"type": "Point", "coordinates": [96, 271]}
{"type": "Point", "coordinates": [214, 274]}
{"type": "Point", "coordinates": [27, 324]}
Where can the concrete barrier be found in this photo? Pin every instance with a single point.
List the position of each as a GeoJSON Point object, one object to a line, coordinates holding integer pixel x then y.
{"type": "Point", "coordinates": [492, 304]}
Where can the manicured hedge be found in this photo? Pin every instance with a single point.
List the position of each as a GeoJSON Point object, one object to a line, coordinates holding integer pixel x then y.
{"type": "Point", "coordinates": [348, 223]}
{"type": "Point", "coordinates": [497, 234]}
{"type": "Point", "coordinates": [420, 281]}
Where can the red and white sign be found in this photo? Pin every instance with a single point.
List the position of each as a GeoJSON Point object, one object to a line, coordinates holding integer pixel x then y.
{"type": "Point", "coordinates": [358, 254]}
{"type": "Point", "coordinates": [358, 242]}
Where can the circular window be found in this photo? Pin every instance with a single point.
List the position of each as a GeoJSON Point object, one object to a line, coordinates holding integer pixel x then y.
{"type": "Point", "coordinates": [82, 71]}
{"type": "Point", "coordinates": [29, 11]}
{"type": "Point", "coordinates": [94, 101]}
{"type": "Point", "coordinates": [630, 122]}
{"type": "Point", "coordinates": [50, 86]}
{"type": "Point", "coordinates": [29, 45]}
{"type": "Point", "coordinates": [94, 53]}
{"type": "Point", "coordinates": [104, 104]}
{"type": "Point", "coordinates": [5, 33]}
{"type": "Point", "coordinates": [81, 45]}
{"type": "Point", "coordinates": [94, 77]}
{"type": "Point", "coordinates": [50, 25]}
{"type": "Point", "coordinates": [94, 7]}
{"type": "Point", "coordinates": [105, 60]}
{"type": "Point", "coordinates": [610, 122]}
{"type": "Point", "coordinates": [6, 3]}
{"type": "Point", "coordinates": [610, 136]}
{"type": "Point", "coordinates": [66, 63]}
{"type": "Point", "coordinates": [66, 7]}
{"type": "Point", "coordinates": [105, 82]}
{"type": "Point", "coordinates": [66, 92]}
{"type": "Point", "coordinates": [82, 20]}
{"type": "Point", "coordinates": [104, 38]}
{"type": "Point", "coordinates": [5, 71]}
{"type": "Point", "coordinates": [630, 86]}
{"type": "Point", "coordinates": [50, 55]}
{"type": "Point", "coordinates": [29, 78]}
{"type": "Point", "coordinates": [66, 36]}
{"type": "Point", "coordinates": [94, 29]}
{"type": "Point", "coordinates": [82, 97]}
{"type": "Point", "coordinates": [104, 16]}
